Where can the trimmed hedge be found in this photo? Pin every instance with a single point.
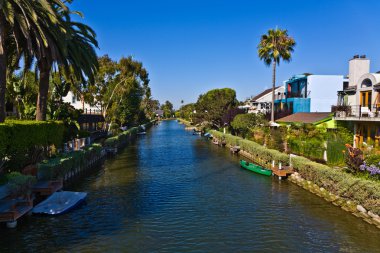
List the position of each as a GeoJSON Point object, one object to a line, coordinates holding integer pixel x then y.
{"type": "Point", "coordinates": [59, 166]}
{"type": "Point", "coordinates": [121, 138]}
{"type": "Point", "coordinates": [262, 153]}
{"type": "Point", "coordinates": [23, 141]}
{"type": "Point", "coordinates": [363, 191]}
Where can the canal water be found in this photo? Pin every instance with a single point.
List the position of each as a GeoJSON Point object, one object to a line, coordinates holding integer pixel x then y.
{"type": "Point", "coordinates": [170, 191]}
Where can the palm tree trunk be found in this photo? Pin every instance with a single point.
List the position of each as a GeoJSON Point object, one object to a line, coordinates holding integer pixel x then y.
{"type": "Point", "coordinates": [3, 73]}
{"type": "Point", "coordinates": [43, 91]}
{"type": "Point", "coordinates": [273, 88]}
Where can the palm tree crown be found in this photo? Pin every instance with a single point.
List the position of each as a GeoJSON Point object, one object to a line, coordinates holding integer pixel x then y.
{"type": "Point", "coordinates": [276, 45]}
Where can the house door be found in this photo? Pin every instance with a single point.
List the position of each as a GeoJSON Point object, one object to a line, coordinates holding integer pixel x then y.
{"type": "Point", "coordinates": [365, 98]}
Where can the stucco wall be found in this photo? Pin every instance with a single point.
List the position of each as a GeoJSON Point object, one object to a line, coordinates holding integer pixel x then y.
{"type": "Point", "coordinates": [78, 104]}
{"type": "Point", "coordinates": [323, 91]}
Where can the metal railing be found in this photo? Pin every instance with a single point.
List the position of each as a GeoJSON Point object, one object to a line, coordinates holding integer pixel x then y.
{"type": "Point", "coordinates": [357, 111]}
{"type": "Point", "coordinates": [92, 111]}
{"type": "Point", "coordinates": [295, 95]}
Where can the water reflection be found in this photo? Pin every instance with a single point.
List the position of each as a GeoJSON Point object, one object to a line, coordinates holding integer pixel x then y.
{"type": "Point", "coordinates": [170, 191]}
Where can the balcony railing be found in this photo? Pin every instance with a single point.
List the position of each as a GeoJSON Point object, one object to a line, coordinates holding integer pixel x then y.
{"type": "Point", "coordinates": [357, 111]}
{"type": "Point", "coordinates": [92, 111]}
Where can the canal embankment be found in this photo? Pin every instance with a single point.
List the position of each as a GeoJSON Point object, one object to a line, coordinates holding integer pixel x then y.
{"type": "Point", "coordinates": [59, 171]}
{"type": "Point", "coordinates": [356, 195]}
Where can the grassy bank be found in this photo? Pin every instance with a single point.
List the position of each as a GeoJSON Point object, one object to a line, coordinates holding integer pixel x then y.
{"type": "Point", "coordinates": [349, 187]}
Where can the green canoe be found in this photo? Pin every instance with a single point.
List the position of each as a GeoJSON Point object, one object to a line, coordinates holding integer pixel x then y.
{"type": "Point", "coordinates": [255, 168]}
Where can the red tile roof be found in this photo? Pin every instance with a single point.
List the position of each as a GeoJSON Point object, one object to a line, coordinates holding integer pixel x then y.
{"type": "Point", "coordinates": [306, 117]}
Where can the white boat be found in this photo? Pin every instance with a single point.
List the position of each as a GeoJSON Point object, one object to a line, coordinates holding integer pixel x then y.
{"type": "Point", "coordinates": [141, 133]}
{"type": "Point", "coordinates": [60, 202]}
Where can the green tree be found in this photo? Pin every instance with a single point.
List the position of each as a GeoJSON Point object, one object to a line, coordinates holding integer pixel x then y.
{"type": "Point", "coordinates": [211, 106]}
{"type": "Point", "coordinates": [243, 123]}
{"type": "Point", "coordinates": [22, 24]}
{"type": "Point", "coordinates": [72, 47]}
{"type": "Point", "coordinates": [186, 111]}
{"type": "Point", "coordinates": [22, 92]}
{"type": "Point", "coordinates": [167, 107]}
{"type": "Point", "coordinates": [275, 46]}
{"type": "Point", "coordinates": [121, 87]}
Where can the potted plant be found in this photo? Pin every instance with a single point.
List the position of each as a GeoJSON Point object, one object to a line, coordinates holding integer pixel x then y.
{"type": "Point", "coordinates": [341, 110]}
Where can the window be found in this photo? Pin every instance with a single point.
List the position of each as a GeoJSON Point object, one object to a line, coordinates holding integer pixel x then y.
{"type": "Point", "coordinates": [73, 99]}
{"type": "Point", "coordinates": [366, 83]}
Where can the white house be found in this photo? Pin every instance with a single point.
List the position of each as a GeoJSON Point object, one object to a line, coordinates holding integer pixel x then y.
{"type": "Point", "coordinates": [261, 103]}
{"type": "Point", "coordinates": [359, 102]}
{"type": "Point", "coordinates": [79, 105]}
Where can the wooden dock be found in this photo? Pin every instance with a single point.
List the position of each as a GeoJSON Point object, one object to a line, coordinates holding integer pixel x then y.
{"type": "Point", "coordinates": [283, 173]}
{"type": "Point", "coordinates": [11, 210]}
{"type": "Point", "coordinates": [46, 188]}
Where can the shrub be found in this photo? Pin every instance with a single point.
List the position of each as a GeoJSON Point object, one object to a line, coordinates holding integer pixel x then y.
{"type": "Point", "coordinates": [121, 138]}
{"type": "Point", "coordinates": [27, 142]}
{"type": "Point", "coordinates": [277, 138]}
{"type": "Point", "coordinates": [59, 166]}
{"type": "Point", "coordinates": [217, 134]}
{"type": "Point", "coordinates": [265, 155]}
{"type": "Point", "coordinates": [353, 158]}
{"type": "Point", "coordinates": [20, 185]}
{"type": "Point", "coordinates": [360, 190]}
{"type": "Point", "coordinates": [372, 159]}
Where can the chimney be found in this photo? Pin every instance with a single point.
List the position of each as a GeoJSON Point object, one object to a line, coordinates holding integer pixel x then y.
{"type": "Point", "coordinates": [358, 66]}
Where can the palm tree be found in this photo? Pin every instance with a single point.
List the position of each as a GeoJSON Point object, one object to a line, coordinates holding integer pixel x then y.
{"type": "Point", "coordinates": [275, 46]}
{"type": "Point", "coordinates": [20, 25]}
{"type": "Point", "coordinates": [73, 50]}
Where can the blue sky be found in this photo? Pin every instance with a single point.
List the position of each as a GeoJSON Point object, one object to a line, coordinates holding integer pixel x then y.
{"type": "Point", "coordinates": [192, 46]}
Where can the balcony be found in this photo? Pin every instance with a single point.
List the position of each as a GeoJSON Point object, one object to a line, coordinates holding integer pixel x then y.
{"type": "Point", "coordinates": [357, 112]}
{"type": "Point", "coordinates": [92, 112]}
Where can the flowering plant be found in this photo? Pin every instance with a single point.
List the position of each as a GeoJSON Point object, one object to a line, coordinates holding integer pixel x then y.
{"type": "Point", "coordinates": [372, 169]}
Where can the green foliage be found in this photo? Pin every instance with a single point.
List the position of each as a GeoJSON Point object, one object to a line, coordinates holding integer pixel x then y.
{"type": "Point", "coordinates": [211, 106]}
{"type": "Point", "coordinates": [120, 138]}
{"type": "Point", "coordinates": [19, 184]}
{"type": "Point", "coordinates": [353, 159]}
{"type": "Point", "coordinates": [336, 141]}
{"type": "Point", "coordinates": [242, 123]}
{"type": "Point", "coordinates": [59, 166]}
{"type": "Point", "coordinates": [167, 107]}
{"type": "Point", "coordinates": [262, 154]}
{"type": "Point", "coordinates": [363, 191]}
{"type": "Point", "coordinates": [22, 91]}
{"type": "Point", "coordinates": [122, 89]}
{"type": "Point", "coordinates": [26, 142]}
{"type": "Point", "coordinates": [186, 112]}
{"type": "Point", "coordinates": [307, 140]}
{"type": "Point", "coordinates": [276, 138]}
{"type": "Point", "coordinates": [373, 159]}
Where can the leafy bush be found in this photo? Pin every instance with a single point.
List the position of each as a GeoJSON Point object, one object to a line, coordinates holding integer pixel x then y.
{"type": "Point", "coordinates": [121, 138]}
{"type": "Point", "coordinates": [373, 159]}
{"type": "Point", "coordinates": [363, 191]}
{"type": "Point", "coordinates": [59, 166]}
{"type": "Point", "coordinates": [20, 185]}
{"type": "Point", "coordinates": [276, 138]}
{"type": "Point", "coordinates": [242, 123]}
{"type": "Point", "coordinates": [26, 142]}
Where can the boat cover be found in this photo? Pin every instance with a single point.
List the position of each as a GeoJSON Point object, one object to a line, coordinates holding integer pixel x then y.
{"type": "Point", "coordinates": [60, 202]}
